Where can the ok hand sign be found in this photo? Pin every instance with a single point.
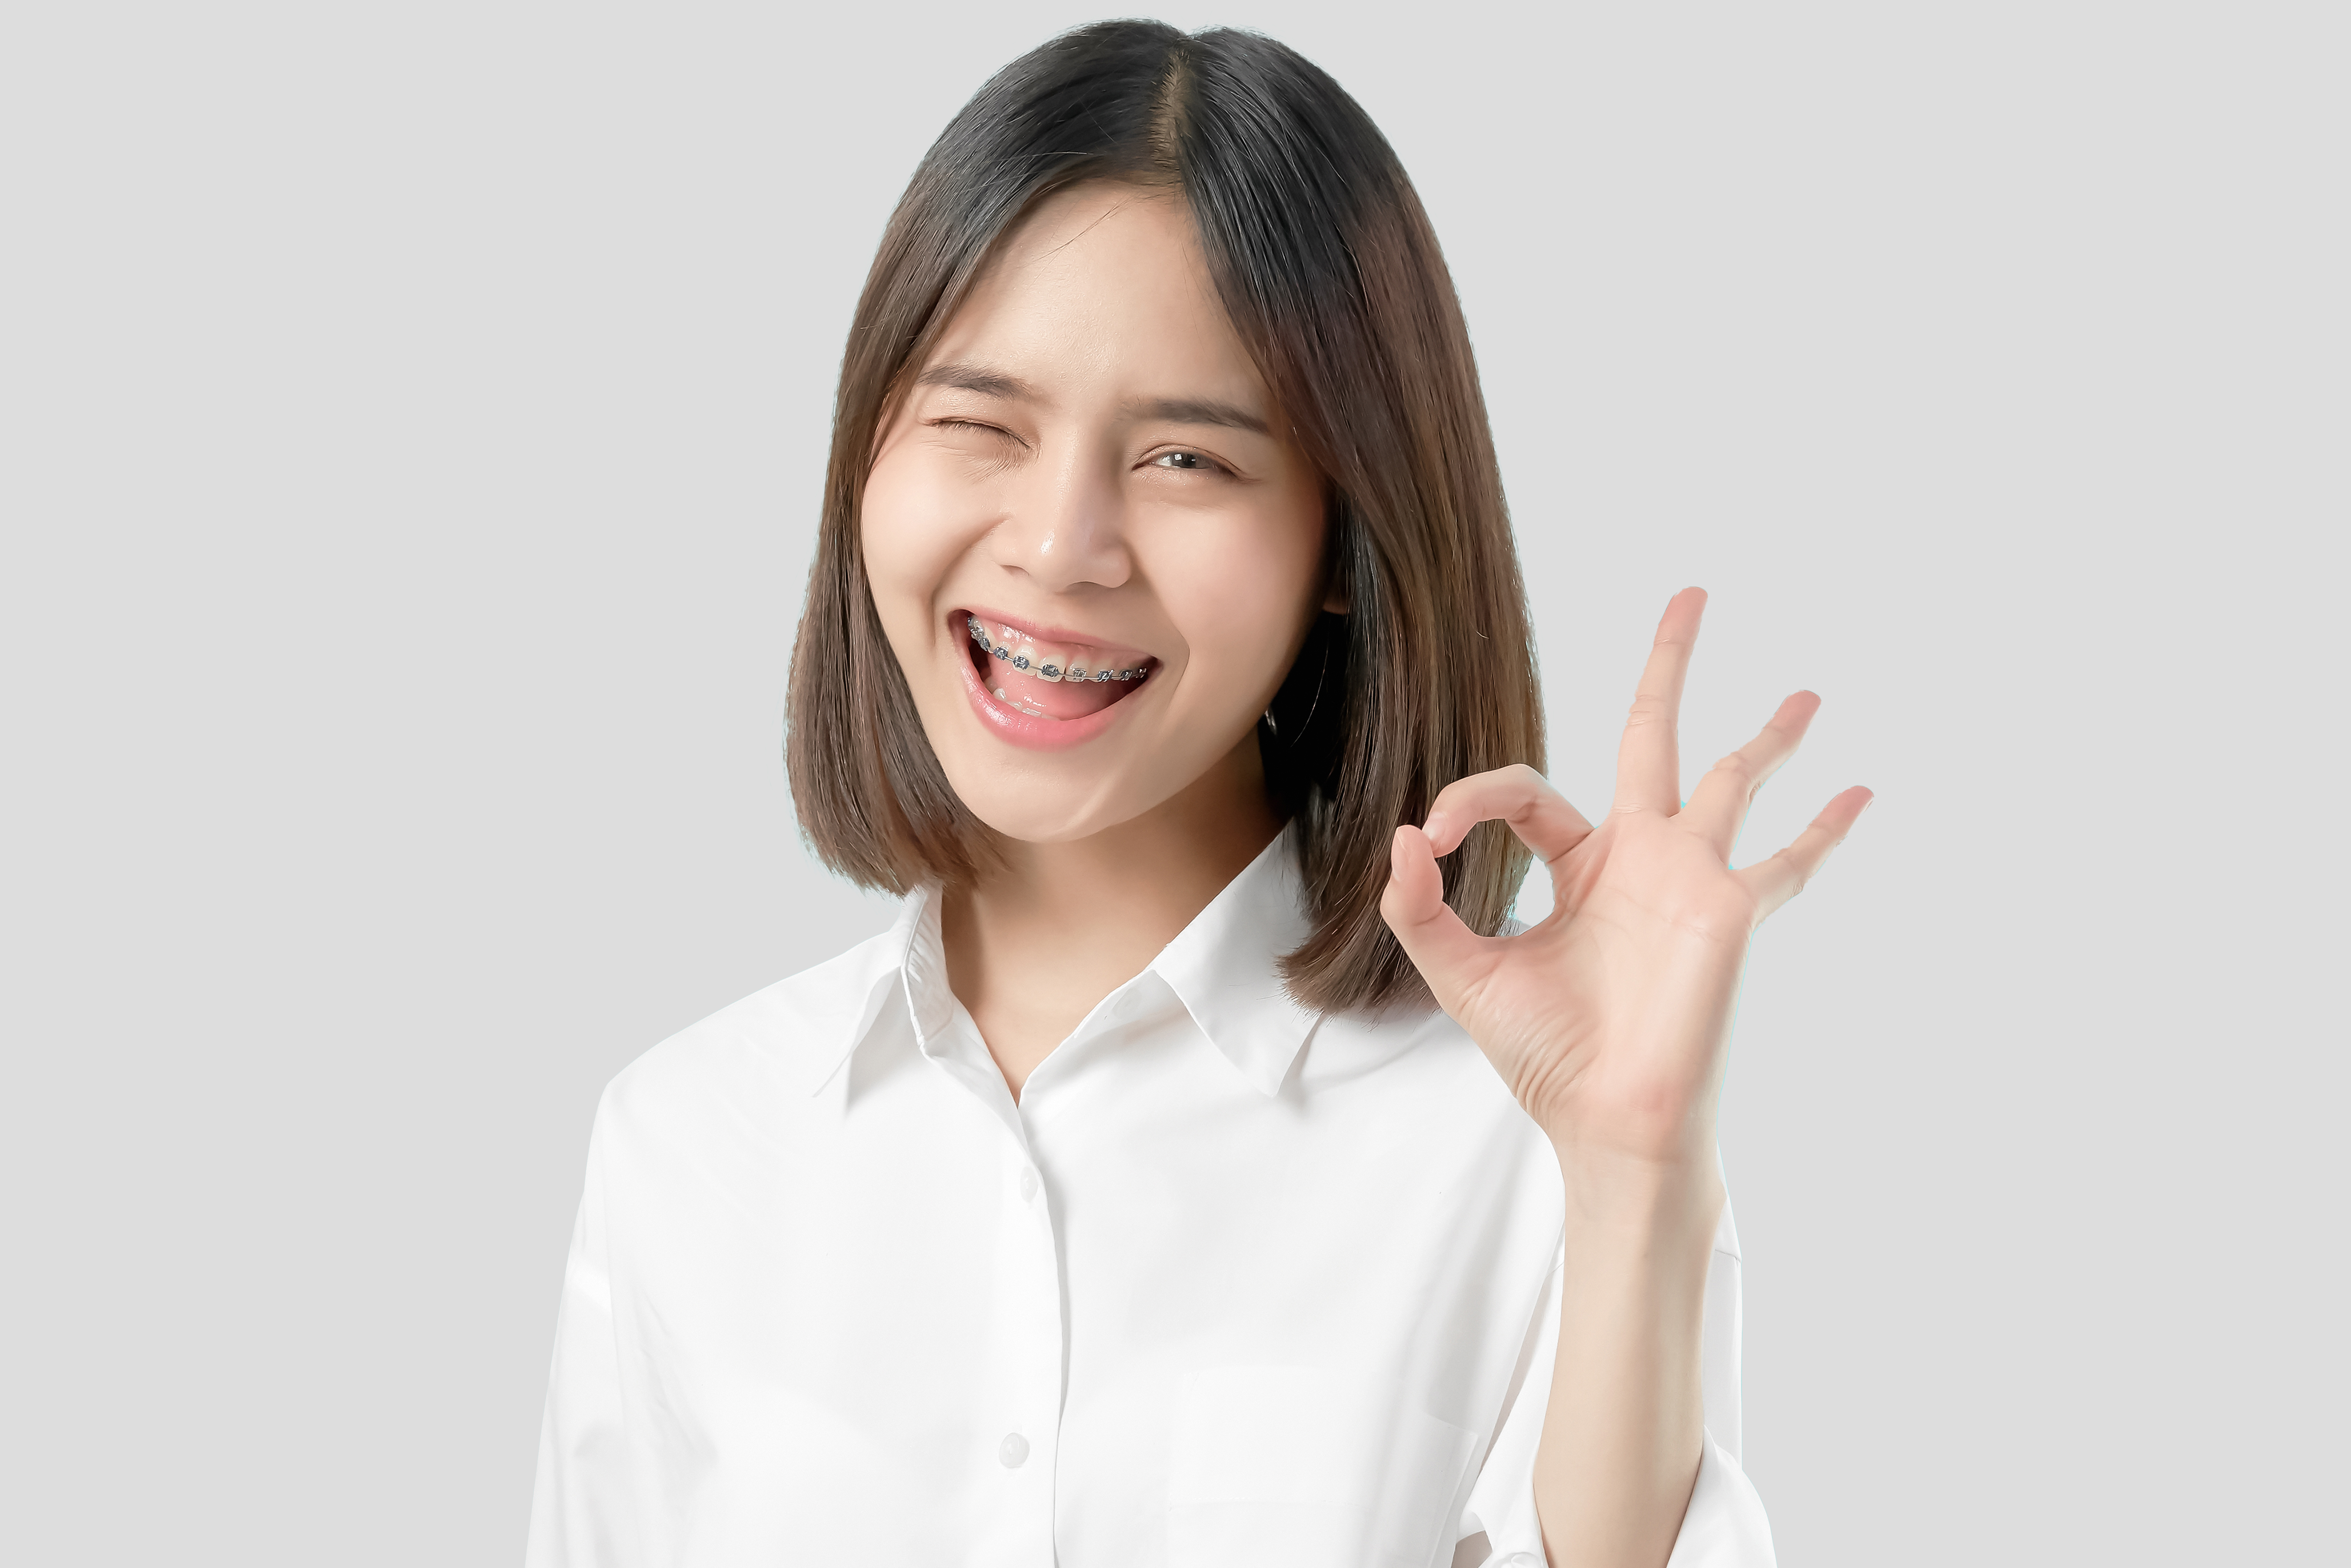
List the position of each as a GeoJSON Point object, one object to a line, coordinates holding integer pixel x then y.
{"type": "Point", "coordinates": [1609, 1018]}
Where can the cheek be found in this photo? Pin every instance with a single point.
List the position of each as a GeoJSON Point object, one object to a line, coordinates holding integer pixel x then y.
{"type": "Point", "coordinates": [911, 528]}
{"type": "Point", "coordinates": [1242, 595]}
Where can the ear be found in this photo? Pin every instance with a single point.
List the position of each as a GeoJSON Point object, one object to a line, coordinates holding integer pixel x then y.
{"type": "Point", "coordinates": [1335, 599]}
{"type": "Point", "coordinates": [1334, 591]}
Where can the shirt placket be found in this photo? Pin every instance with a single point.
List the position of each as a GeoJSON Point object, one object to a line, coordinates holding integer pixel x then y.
{"type": "Point", "coordinates": [1019, 1408]}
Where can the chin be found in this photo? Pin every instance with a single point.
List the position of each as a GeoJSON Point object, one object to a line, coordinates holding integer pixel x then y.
{"type": "Point", "coordinates": [1033, 827]}
{"type": "Point", "coordinates": [1032, 811]}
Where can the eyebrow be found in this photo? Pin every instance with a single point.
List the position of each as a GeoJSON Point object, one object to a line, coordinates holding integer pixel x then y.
{"type": "Point", "coordinates": [1199, 411]}
{"type": "Point", "coordinates": [1175, 410]}
{"type": "Point", "coordinates": [978, 378]}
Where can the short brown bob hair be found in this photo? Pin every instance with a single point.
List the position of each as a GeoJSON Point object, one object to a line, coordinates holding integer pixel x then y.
{"type": "Point", "coordinates": [1331, 273]}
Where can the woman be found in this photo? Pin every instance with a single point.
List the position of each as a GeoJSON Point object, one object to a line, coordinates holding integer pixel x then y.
{"type": "Point", "coordinates": [1129, 1202]}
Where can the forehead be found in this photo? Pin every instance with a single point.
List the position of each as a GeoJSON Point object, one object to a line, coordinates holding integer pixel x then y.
{"type": "Point", "coordinates": [1105, 288]}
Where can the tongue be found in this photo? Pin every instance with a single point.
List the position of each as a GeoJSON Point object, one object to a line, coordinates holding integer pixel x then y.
{"type": "Point", "coordinates": [1055, 699]}
{"type": "Point", "coordinates": [1066, 699]}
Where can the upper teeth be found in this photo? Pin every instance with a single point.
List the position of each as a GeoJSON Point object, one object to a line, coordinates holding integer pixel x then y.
{"type": "Point", "coordinates": [1024, 657]}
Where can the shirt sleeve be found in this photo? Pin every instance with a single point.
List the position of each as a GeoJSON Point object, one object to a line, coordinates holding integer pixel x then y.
{"type": "Point", "coordinates": [1724, 1526]}
{"type": "Point", "coordinates": [581, 1512]}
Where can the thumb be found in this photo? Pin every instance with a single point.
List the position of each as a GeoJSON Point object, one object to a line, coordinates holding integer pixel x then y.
{"type": "Point", "coordinates": [1441, 946]}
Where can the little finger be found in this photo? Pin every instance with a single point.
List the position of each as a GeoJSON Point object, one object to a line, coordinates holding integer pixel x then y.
{"type": "Point", "coordinates": [1775, 881]}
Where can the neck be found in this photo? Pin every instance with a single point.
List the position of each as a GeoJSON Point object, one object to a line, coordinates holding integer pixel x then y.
{"type": "Point", "coordinates": [1033, 947]}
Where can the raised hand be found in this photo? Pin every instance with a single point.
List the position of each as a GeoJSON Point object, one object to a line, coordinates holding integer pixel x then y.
{"type": "Point", "coordinates": [1609, 1018]}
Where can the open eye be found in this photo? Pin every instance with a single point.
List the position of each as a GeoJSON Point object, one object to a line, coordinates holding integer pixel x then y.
{"type": "Point", "coordinates": [1187, 462]}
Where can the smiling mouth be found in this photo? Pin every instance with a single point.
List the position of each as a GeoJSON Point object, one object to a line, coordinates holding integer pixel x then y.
{"type": "Point", "coordinates": [1051, 680]}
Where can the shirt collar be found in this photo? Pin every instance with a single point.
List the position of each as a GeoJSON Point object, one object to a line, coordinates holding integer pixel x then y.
{"type": "Point", "coordinates": [1223, 967]}
{"type": "Point", "coordinates": [873, 969]}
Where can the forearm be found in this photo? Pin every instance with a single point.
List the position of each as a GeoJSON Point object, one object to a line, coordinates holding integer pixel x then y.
{"type": "Point", "coordinates": [1626, 1427]}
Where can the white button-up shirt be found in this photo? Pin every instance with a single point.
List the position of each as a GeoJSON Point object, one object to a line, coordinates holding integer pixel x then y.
{"type": "Point", "coordinates": [1230, 1284]}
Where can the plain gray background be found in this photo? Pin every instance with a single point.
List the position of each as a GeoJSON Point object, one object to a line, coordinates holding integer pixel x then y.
{"type": "Point", "coordinates": [413, 429]}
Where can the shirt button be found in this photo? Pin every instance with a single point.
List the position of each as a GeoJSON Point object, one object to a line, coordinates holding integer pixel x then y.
{"type": "Point", "coordinates": [1028, 1191]}
{"type": "Point", "coordinates": [1013, 1451]}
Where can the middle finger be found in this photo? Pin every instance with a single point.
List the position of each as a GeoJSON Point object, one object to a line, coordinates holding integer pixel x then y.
{"type": "Point", "coordinates": [1648, 760]}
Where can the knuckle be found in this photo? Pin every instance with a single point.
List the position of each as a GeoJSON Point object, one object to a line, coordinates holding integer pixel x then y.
{"type": "Point", "coordinates": [1744, 771]}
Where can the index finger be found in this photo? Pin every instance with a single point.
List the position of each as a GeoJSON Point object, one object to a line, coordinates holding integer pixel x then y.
{"type": "Point", "coordinates": [1541, 817]}
{"type": "Point", "coordinates": [1648, 760]}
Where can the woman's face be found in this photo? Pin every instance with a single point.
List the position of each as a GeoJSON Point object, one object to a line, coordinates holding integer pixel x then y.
{"type": "Point", "coordinates": [1094, 546]}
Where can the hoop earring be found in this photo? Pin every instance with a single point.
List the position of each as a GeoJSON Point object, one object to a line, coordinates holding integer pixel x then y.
{"type": "Point", "coordinates": [1313, 703]}
{"type": "Point", "coordinates": [1316, 701]}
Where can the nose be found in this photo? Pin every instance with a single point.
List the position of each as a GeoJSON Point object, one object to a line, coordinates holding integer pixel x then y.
{"type": "Point", "coordinates": [1067, 529]}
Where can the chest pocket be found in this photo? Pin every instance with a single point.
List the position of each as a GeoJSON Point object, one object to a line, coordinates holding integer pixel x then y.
{"type": "Point", "coordinates": [1303, 1468]}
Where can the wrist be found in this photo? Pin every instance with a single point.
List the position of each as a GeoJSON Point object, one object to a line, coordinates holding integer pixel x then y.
{"type": "Point", "coordinates": [1667, 1207]}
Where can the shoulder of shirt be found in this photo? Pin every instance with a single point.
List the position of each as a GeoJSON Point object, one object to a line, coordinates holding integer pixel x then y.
{"type": "Point", "coordinates": [1418, 1051]}
{"type": "Point", "coordinates": [779, 1038]}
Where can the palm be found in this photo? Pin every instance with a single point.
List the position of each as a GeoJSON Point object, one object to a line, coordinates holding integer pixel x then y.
{"type": "Point", "coordinates": [1608, 1019]}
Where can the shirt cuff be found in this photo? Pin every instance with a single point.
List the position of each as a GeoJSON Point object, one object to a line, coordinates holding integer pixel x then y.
{"type": "Point", "coordinates": [1724, 1526]}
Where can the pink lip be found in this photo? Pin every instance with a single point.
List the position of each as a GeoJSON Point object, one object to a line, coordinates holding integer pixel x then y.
{"type": "Point", "coordinates": [1044, 633]}
{"type": "Point", "coordinates": [1022, 729]}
